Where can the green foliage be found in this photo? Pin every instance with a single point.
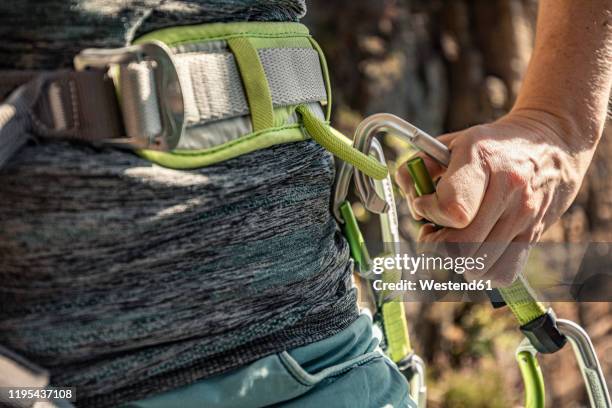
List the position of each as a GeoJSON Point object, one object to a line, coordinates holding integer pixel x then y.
{"type": "Point", "coordinates": [483, 388]}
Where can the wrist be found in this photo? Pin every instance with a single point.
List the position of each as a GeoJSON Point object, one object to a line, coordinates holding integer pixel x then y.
{"type": "Point", "coordinates": [576, 139]}
{"type": "Point", "coordinates": [551, 143]}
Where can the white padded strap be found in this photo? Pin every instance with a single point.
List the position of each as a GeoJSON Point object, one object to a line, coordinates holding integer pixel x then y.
{"type": "Point", "coordinates": [212, 86]}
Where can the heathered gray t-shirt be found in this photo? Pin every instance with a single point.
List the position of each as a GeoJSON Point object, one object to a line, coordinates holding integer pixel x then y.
{"type": "Point", "coordinates": [126, 279]}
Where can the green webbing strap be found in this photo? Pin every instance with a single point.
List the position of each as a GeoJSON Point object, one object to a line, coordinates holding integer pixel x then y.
{"type": "Point", "coordinates": [359, 251]}
{"type": "Point", "coordinates": [321, 133]}
{"type": "Point", "coordinates": [521, 301]}
{"type": "Point", "coordinates": [255, 83]}
{"type": "Point", "coordinates": [396, 330]}
{"type": "Point", "coordinates": [394, 323]}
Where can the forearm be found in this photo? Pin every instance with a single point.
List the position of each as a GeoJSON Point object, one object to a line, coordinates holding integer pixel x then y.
{"type": "Point", "coordinates": [567, 84]}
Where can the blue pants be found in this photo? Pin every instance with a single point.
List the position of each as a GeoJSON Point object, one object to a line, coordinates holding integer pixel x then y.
{"type": "Point", "coordinates": [345, 370]}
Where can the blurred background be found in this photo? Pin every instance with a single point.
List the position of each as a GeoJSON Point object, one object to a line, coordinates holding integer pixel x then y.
{"type": "Point", "coordinates": [446, 65]}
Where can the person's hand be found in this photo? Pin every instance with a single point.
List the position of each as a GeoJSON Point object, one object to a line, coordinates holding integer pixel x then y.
{"type": "Point", "coordinates": [506, 183]}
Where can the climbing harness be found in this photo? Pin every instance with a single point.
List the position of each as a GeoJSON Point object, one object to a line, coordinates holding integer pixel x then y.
{"type": "Point", "coordinates": [184, 97]}
{"type": "Point", "coordinates": [544, 333]}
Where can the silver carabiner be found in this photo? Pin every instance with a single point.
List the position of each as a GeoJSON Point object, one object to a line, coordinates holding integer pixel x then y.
{"type": "Point", "coordinates": [595, 382]}
{"type": "Point", "coordinates": [389, 224]}
{"type": "Point", "coordinates": [592, 374]}
{"type": "Point", "coordinates": [418, 386]}
{"type": "Point", "coordinates": [364, 135]}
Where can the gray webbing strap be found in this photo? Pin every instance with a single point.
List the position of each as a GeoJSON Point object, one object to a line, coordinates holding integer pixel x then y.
{"type": "Point", "coordinates": [294, 75]}
{"type": "Point", "coordinates": [67, 104]}
{"type": "Point", "coordinates": [14, 124]}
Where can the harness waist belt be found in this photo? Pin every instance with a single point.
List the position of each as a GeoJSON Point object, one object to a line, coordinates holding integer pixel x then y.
{"type": "Point", "coordinates": [83, 104]}
{"type": "Point", "coordinates": [185, 97]}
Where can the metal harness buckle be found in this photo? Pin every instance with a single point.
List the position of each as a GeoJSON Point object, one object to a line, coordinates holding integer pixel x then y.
{"type": "Point", "coordinates": [167, 84]}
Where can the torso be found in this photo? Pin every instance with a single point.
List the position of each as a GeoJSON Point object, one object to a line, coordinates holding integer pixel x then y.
{"type": "Point", "coordinates": [125, 278]}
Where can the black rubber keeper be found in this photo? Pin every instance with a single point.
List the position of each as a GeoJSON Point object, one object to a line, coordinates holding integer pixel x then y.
{"type": "Point", "coordinates": [544, 334]}
{"type": "Point", "coordinates": [497, 301]}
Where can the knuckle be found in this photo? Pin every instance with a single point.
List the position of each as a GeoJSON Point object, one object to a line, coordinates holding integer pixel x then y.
{"type": "Point", "coordinates": [501, 278]}
{"type": "Point", "coordinates": [527, 205]}
{"type": "Point", "coordinates": [456, 213]}
{"type": "Point", "coordinates": [516, 179]}
{"type": "Point", "coordinates": [481, 144]}
{"type": "Point", "coordinates": [472, 142]}
{"type": "Point", "coordinates": [411, 208]}
{"type": "Point", "coordinates": [480, 148]}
